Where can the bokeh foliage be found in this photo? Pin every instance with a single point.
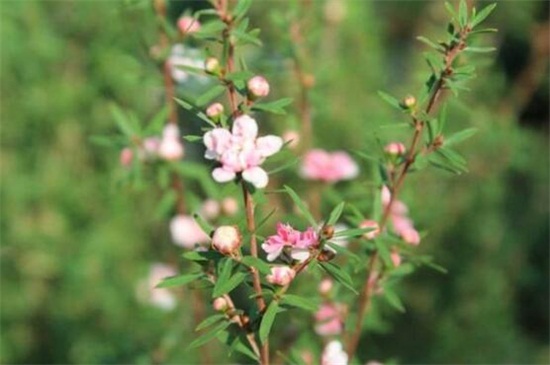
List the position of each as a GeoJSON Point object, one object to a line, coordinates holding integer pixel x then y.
{"type": "Point", "coordinates": [74, 244]}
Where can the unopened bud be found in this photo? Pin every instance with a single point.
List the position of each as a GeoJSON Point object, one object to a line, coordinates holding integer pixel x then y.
{"type": "Point", "coordinates": [188, 24]}
{"type": "Point", "coordinates": [214, 111]}
{"type": "Point", "coordinates": [227, 239]}
{"type": "Point", "coordinates": [395, 258]}
{"type": "Point", "coordinates": [258, 87]}
{"type": "Point", "coordinates": [326, 255]}
{"type": "Point", "coordinates": [220, 304]}
{"type": "Point", "coordinates": [171, 149]}
{"type": "Point", "coordinates": [210, 209]}
{"type": "Point", "coordinates": [409, 101]}
{"type": "Point", "coordinates": [281, 275]}
{"type": "Point", "coordinates": [292, 138]}
{"type": "Point", "coordinates": [328, 232]}
{"type": "Point", "coordinates": [395, 149]}
{"type": "Point", "coordinates": [411, 236]}
{"type": "Point", "coordinates": [126, 156]}
{"type": "Point", "coordinates": [325, 286]}
{"type": "Point", "coordinates": [230, 206]}
{"type": "Point", "coordinates": [370, 224]}
{"type": "Point", "coordinates": [212, 65]}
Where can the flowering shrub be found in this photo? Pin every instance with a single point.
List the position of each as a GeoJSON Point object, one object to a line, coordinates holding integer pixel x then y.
{"type": "Point", "coordinates": [358, 252]}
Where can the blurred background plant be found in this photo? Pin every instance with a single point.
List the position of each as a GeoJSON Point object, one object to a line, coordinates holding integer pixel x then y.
{"type": "Point", "coordinates": [75, 244]}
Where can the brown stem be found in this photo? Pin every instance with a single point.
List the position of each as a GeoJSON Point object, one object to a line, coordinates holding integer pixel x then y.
{"type": "Point", "coordinates": [372, 277]}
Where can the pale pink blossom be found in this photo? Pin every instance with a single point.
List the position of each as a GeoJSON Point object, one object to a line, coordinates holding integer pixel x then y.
{"type": "Point", "coordinates": [159, 297]}
{"type": "Point", "coordinates": [299, 243]}
{"type": "Point", "coordinates": [220, 304]}
{"type": "Point", "coordinates": [171, 148]}
{"type": "Point", "coordinates": [214, 110]}
{"type": "Point", "coordinates": [186, 232]}
{"type": "Point", "coordinates": [281, 275]}
{"type": "Point", "coordinates": [240, 151]}
{"type": "Point", "coordinates": [187, 24]}
{"type": "Point", "coordinates": [230, 206]}
{"type": "Point", "coordinates": [328, 167]}
{"type": "Point", "coordinates": [395, 148]}
{"type": "Point", "coordinates": [334, 354]}
{"type": "Point", "coordinates": [395, 258]}
{"type": "Point", "coordinates": [369, 223]}
{"type": "Point", "coordinates": [210, 209]}
{"type": "Point", "coordinates": [325, 286]}
{"type": "Point", "coordinates": [126, 156]}
{"type": "Point", "coordinates": [227, 239]}
{"type": "Point", "coordinates": [258, 87]}
{"type": "Point", "coordinates": [411, 236]}
{"type": "Point", "coordinates": [329, 320]}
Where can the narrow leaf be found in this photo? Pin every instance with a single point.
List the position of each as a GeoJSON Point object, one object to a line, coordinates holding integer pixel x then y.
{"type": "Point", "coordinates": [178, 280]}
{"type": "Point", "coordinates": [460, 136]}
{"type": "Point", "coordinates": [339, 275]}
{"type": "Point", "coordinates": [483, 14]}
{"type": "Point", "coordinates": [335, 214]}
{"type": "Point", "coordinates": [299, 302]}
{"type": "Point", "coordinates": [267, 320]}
{"type": "Point", "coordinates": [208, 336]}
{"type": "Point", "coordinates": [300, 204]}
{"type": "Point", "coordinates": [210, 321]}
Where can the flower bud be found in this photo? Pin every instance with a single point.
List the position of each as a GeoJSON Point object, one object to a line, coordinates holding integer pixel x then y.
{"type": "Point", "coordinates": [220, 304]}
{"type": "Point", "coordinates": [327, 232]}
{"type": "Point", "coordinates": [170, 149]}
{"type": "Point", "coordinates": [126, 156]}
{"type": "Point", "coordinates": [227, 239]}
{"type": "Point", "coordinates": [325, 286]}
{"type": "Point", "coordinates": [187, 24]}
{"type": "Point", "coordinates": [210, 209]}
{"type": "Point", "coordinates": [212, 65]}
{"type": "Point", "coordinates": [395, 149]}
{"type": "Point", "coordinates": [214, 111]}
{"type": "Point", "coordinates": [258, 87]}
{"type": "Point", "coordinates": [411, 236]}
{"type": "Point", "coordinates": [409, 101]}
{"type": "Point", "coordinates": [369, 223]}
{"type": "Point", "coordinates": [281, 275]}
{"type": "Point", "coordinates": [230, 206]}
{"type": "Point", "coordinates": [395, 258]}
{"type": "Point", "coordinates": [292, 138]}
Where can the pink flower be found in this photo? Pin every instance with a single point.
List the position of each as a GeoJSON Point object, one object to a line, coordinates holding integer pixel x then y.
{"type": "Point", "coordinates": [281, 275]}
{"type": "Point", "coordinates": [298, 242]}
{"type": "Point", "coordinates": [402, 225]}
{"type": "Point", "coordinates": [411, 236]}
{"type": "Point", "coordinates": [170, 148]}
{"type": "Point", "coordinates": [395, 258]}
{"type": "Point", "coordinates": [240, 151]}
{"type": "Point", "coordinates": [159, 297]}
{"type": "Point", "coordinates": [227, 239]}
{"type": "Point", "coordinates": [395, 148]}
{"type": "Point", "coordinates": [258, 87]}
{"type": "Point", "coordinates": [369, 223]}
{"type": "Point", "coordinates": [328, 167]}
{"type": "Point", "coordinates": [325, 286]}
{"type": "Point", "coordinates": [214, 110]}
{"type": "Point", "coordinates": [329, 320]}
{"type": "Point", "coordinates": [230, 206]}
{"type": "Point", "coordinates": [334, 354]}
{"type": "Point", "coordinates": [188, 24]}
{"type": "Point", "coordinates": [126, 156]}
{"type": "Point", "coordinates": [186, 232]}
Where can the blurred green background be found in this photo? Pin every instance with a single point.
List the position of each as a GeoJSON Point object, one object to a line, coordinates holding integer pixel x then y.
{"type": "Point", "coordinates": [74, 245]}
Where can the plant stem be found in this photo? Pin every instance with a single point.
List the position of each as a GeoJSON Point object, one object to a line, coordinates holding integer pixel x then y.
{"type": "Point", "coordinates": [372, 276]}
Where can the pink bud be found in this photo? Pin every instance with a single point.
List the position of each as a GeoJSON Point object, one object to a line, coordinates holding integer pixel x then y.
{"type": "Point", "coordinates": [370, 224]}
{"type": "Point", "coordinates": [227, 239]}
{"type": "Point", "coordinates": [395, 258]}
{"type": "Point", "coordinates": [220, 304]}
{"type": "Point", "coordinates": [215, 110]}
{"type": "Point", "coordinates": [411, 236]}
{"type": "Point", "coordinates": [325, 286]}
{"type": "Point", "coordinates": [386, 195]}
{"type": "Point", "coordinates": [292, 138]}
{"type": "Point", "coordinates": [210, 209]}
{"type": "Point", "coordinates": [170, 149]}
{"type": "Point", "coordinates": [188, 24]}
{"type": "Point", "coordinates": [230, 206]}
{"type": "Point", "coordinates": [395, 148]}
{"type": "Point", "coordinates": [281, 275]}
{"type": "Point", "coordinates": [258, 87]}
{"type": "Point", "coordinates": [126, 156]}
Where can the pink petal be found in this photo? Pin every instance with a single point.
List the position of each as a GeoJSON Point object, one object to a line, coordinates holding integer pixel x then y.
{"type": "Point", "coordinates": [269, 145]}
{"type": "Point", "coordinates": [221, 175]}
{"type": "Point", "coordinates": [246, 127]}
{"type": "Point", "coordinates": [256, 176]}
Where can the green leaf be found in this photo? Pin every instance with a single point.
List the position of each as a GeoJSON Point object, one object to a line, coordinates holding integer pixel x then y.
{"type": "Point", "coordinates": [435, 46]}
{"type": "Point", "coordinates": [339, 275]}
{"type": "Point", "coordinates": [451, 10]}
{"type": "Point", "coordinates": [206, 227]}
{"type": "Point", "coordinates": [234, 281]}
{"type": "Point", "coordinates": [210, 30]}
{"type": "Point", "coordinates": [479, 49]}
{"type": "Point", "coordinates": [241, 8]}
{"type": "Point", "coordinates": [202, 256]}
{"type": "Point", "coordinates": [267, 320]}
{"type": "Point", "coordinates": [210, 321]}
{"type": "Point", "coordinates": [300, 204]}
{"type": "Point", "coordinates": [484, 31]}
{"type": "Point", "coordinates": [122, 121]}
{"type": "Point", "coordinates": [448, 160]}
{"type": "Point", "coordinates": [460, 136]}
{"type": "Point", "coordinates": [239, 76]}
{"type": "Point", "coordinates": [210, 95]}
{"type": "Point", "coordinates": [209, 335]}
{"type": "Point", "coordinates": [462, 13]}
{"type": "Point", "coordinates": [394, 300]}
{"type": "Point", "coordinates": [158, 121]}
{"type": "Point", "coordinates": [390, 100]}
{"type": "Point", "coordinates": [366, 156]}
{"type": "Point", "coordinates": [236, 341]}
{"type": "Point", "coordinates": [191, 138]}
{"type": "Point", "coordinates": [353, 232]}
{"type": "Point", "coordinates": [256, 262]}
{"type": "Point", "coordinates": [198, 112]}
{"type": "Point", "coordinates": [275, 107]}
{"type": "Point", "coordinates": [344, 251]}
{"type": "Point", "coordinates": [248, 38]}
{"type": "Point", "coordinates": [335, 214]}
{"type": "Point", "coordinates": [483, 14]}
{"type": "Point", "coordinates": [179, 280]}
{"type": "Point", "coordinates": [299, 302]}
{"type": "Point", "coordinates": [384, 251]}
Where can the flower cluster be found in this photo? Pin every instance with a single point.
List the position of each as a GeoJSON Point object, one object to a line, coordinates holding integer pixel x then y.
{"type": "Point", "coordinates": [240, 151]}
{"type": "Point", "coordinates": [298, 243]}
{"type": "Point", "coordinates": [402, 225]}
{"type": "Point", "coordinates": [328, 167]}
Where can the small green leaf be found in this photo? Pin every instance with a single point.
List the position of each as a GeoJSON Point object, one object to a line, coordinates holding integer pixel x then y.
{"type": "Point", "coordinates": [384, 251]}
{"type": "Point", "coordinates": [451, 10]}
{"type": "Point", "coordinates": [239, 76]}
{"type": "Point", "coordinates": [462, 13]}
{"type": "Point", "coordinates": [209, 335]}
{"type": "Point", "coordinates": [202, 256]}
{"type": "Point", "coordinates": [460, 136]}
{"type": "Point", "coordinates": [210, 95]}
{"type": "Point", "coordinates": [122, 121]}
{"type": "Point", "coordinates": [390, 100]}
{"type": "Point", "coordinates": [300, 204]}
{"type": "Point", "coordinates": [188, 106]}
{"type": "Point", "coordinates": [256, 262]}
{"type": "Point", "coordinates": [435, 46]}
{"type": "Point", "coordinates": [483, 14]}
{"type": "Point", "coordinates": [206, 227]}
{"type": "Point", "coordinates": [179, 280]}
{"type": "Point", "coordinates": [335, 214]}
{"type": "Point", "coordinates": [479, 49]}
{"type": "Point", "coordinates": [191, 138]}
{"type": "Point", "coordinates": [394, 300]}
{"type": "Point", "coordinates": [299, 302]}
{"type": "Point", "coordinates": [339, 275]}
{"type": "Point", "coordinates": [248, 38]}
{"type": "Point", "coordinates": [210, 321]}
{"type": "Point", "coordinates": [241, 8]}
{"type": "Point", "coordinates": [352, 232]}
{"type": "Point", "coordinates": [275, 107]}
{"type": "Point", "coordinates": [267, 320]}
